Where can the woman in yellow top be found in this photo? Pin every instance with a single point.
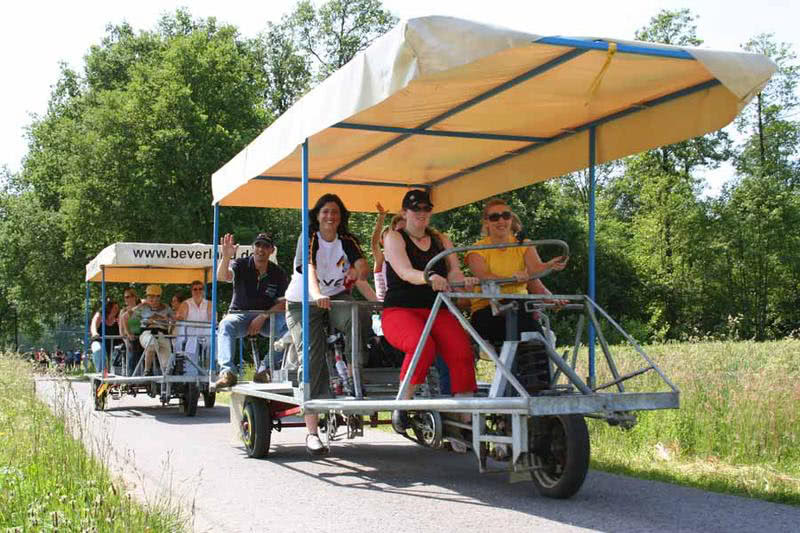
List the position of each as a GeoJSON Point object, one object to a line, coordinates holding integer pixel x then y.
{"type": "Point", "coordinates": [500, 225]}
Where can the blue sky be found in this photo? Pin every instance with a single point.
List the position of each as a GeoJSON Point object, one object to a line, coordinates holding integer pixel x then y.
{"type": "Point", "coordinates": [36, 35]}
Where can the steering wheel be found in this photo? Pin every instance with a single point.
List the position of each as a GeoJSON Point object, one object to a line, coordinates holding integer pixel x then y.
{"type": "Point", "coordinates": [501, 281]}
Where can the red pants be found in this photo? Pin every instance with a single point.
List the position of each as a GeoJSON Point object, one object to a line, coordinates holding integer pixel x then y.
{"type": "Point", "coordinates": [403, 328]}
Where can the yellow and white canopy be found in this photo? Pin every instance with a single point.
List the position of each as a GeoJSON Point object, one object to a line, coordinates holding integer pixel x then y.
{"type": "Point", "coordinates": [138, 262]}
{"type": "Point", "coordinates": [470, 110]}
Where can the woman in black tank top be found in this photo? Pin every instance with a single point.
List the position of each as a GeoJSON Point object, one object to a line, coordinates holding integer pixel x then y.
{"type": "Point", "coordinates": [409, 300]}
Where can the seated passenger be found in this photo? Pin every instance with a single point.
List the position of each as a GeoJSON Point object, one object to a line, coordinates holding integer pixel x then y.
{"type": "Point", "coordinates": [132, 347]}
{"type": "Point", "coordinates": [335, 263]}
{"type": "Point", "coordinates": [257, 285]}
{"type": "Point", "coordinates": [96, 330]}
{"type": "Point", "coordinates": [195, 309]}
{"type": "Point", "coordinates": [501, 226]}
{"type": "Point", "coordinates": [155, 319]}
{"type": "Point", "coordinates": [409, 300]}
{"type": "Point", "coordinates": [379, 272]}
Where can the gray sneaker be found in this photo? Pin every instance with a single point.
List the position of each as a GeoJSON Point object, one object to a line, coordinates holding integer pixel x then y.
{"type": "Point", "coordinates": [226, 379]}
{"type": "Point", "coordinates": [314, 446]}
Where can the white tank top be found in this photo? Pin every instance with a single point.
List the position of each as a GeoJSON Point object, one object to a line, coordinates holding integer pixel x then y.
{"type": "Point", "coordinates": [196, 313]}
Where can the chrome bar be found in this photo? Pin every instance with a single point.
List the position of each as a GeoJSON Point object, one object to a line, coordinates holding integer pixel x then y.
{"type": "Point", "coordinates": [460, 404]}
{"type": "Point", "coordinates": [623, 378]}
{"type": "Point", "coordinates": [612, 366]}
{"type": "Point", "coordinates": [355, 349]}
{"type": "Point", "coordinates": [485, 346]}
{"type": "Point", "coordinates": [634, 344]}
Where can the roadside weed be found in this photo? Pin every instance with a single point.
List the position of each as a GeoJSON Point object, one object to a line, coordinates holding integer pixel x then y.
{"type": "Point", "coordinates": [48, 481]}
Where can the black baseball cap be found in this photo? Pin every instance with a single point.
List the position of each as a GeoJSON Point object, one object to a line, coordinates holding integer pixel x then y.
{"type": "Point", "coordinates": [263, 238]}
{"type": "Point", "coordinates": [416, 197]}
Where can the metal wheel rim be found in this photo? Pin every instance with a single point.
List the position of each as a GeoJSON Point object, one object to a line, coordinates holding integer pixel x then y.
{"type": "Point", "coordinates": [247, 435]}
{"type": "Point", "coordinates": [550, 473]}
{"type": "Point", "coordinates": [427, 434]}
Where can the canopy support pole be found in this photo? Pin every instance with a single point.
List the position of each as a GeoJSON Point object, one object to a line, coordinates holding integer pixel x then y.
{"type": "Point", "coordinates": [86, 323]}
{"type": "Point", "coordinates": [592, 183]}
{"type": "Point", "coordinates": [304, 211]}
{"type": "Point", "coordinates": [213, 362]}
{"type": "Point", "coordinates": [103, 307]}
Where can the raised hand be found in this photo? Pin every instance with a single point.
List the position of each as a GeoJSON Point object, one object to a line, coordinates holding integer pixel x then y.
{"type": "Point", "coordinates": [229, 247]}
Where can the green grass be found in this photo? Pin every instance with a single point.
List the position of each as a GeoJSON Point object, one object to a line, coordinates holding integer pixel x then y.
{"type": "Point", "coordinates": [738, 428]}
{"type": "Point", "coordinates": [48, 482]}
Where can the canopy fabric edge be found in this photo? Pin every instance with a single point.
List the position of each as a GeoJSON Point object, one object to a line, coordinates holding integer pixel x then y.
{"type": "Point", "coordinates": [136, 262]}
{"type": "Point", "coordinates": [410, 47]}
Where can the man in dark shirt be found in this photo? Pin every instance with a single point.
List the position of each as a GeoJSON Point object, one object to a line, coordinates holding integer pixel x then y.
{"type": "Point", "coordinates": [257, 284]}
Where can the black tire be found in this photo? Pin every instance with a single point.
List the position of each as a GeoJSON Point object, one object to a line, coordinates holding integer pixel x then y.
{"type": "Point", "coordinates": [256, 427]}
{"type": "Point", "coordinates": [99, 400]}
{"type": "Point", "coordinates": [560, 450]}
{"type": "Point", "coordinates": [427, 428]}
{"type": "Point", "coordinates": [190, 397]}
{"type": "Point", "coordinates": [209, 398]}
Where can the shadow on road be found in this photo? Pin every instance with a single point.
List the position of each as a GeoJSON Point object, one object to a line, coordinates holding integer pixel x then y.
{"type": "Point", "coordinates": [171, 414]}
{"type": "Point", "coordinates": [606, 502]}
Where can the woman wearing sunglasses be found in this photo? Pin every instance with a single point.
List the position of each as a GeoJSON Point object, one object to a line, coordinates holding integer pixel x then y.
{"type": "Point", "coordinates": [500, 226]}
{"type": "Point", "coordinates": [409, 299]}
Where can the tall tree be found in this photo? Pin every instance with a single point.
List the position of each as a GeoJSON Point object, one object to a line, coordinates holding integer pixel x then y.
{"type": "Point", "coordinates": [126, 149]}
{"type": "Point", "coordinates": [338, 30]}
{"type": "Point", "coordinates": [762, 208]}
{"type": "Point", "coordinates": [657, 194]}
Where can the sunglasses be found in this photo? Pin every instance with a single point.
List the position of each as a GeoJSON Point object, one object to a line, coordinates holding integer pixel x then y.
{"type": "Point", "coordinates": [494, 217]}
{"type": "Point", "coordinates": [422, 208]}
{"type": "Point", "coordinates": [197, 289]}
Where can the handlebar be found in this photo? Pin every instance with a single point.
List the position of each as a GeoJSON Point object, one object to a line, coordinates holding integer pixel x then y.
{"type": "Point", "coordinates": [545, 242]}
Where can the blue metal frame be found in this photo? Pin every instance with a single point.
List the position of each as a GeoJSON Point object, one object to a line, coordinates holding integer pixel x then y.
{"type": "Point", "coordinates": [306, 366]}
{"type": "Point", "coordinates": [440, 133]}
{"type": "Point", "coordinates": [592, 182]}
{"type": "Point", "coordinates": [583, 127]}
{"type": "Point", "coordinates": [103, 310]}
{"type": "Point", "coordinates": [621, 48]}
{"type": "Point", "coordinates": [213, 362]}
{"type": "Point", "coordinates": [86, 347]}
{"type": "Point", "coordinates": [345, 182]}
{"type": "Point", "coordinates": [461, 107]}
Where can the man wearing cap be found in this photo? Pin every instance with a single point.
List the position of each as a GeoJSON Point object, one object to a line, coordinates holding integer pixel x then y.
{"type": "Point", "coordinates": [155, 318]}
{"type": "Point", "coordinates": [257, 285]}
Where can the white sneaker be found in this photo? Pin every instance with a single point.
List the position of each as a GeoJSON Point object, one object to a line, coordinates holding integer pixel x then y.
{"type": "Point", "coordinates": [314, 445]}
